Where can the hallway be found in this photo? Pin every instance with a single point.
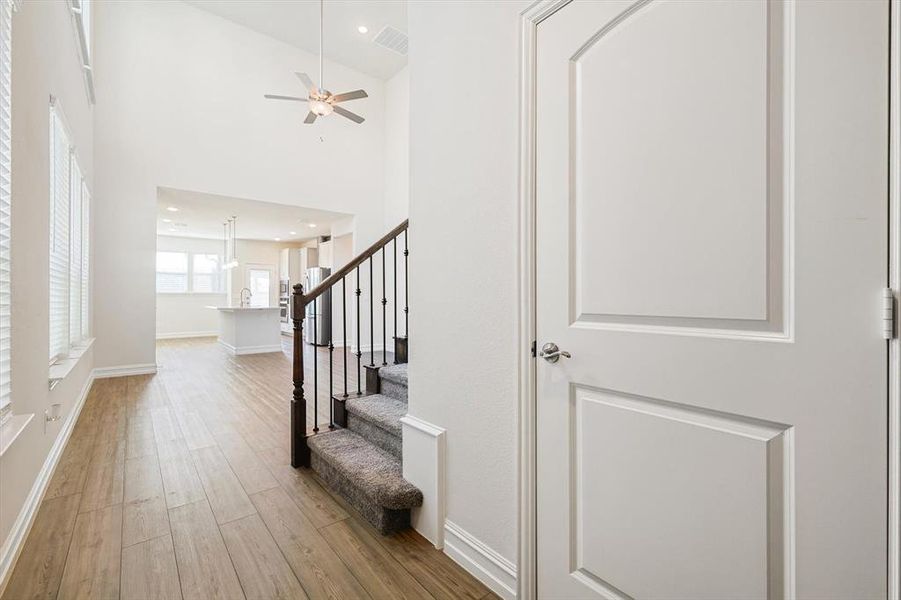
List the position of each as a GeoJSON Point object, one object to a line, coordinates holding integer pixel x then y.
{"type": "Point", "coordinates": [178, 485]}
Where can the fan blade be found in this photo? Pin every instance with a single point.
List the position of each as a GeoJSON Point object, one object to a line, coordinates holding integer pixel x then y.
{"type": "Point", "coordinates": [350, 96]}
{"type": "Point", "coordinates": [311, 116]}
{"type": "Point", "coordinates": [305, 79]}
{"type": "Point", "coordinates": [346, 113]}
{"type": "Point", "coordinates": [277, 97]}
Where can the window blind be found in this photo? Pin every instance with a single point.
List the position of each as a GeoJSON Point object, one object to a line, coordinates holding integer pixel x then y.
{"type": "Point", "coordinates": [85, 262]}
{"type": "Point", "coordinates": [75, 250]}
{"type": "Point", "coordinates": [171, 272]}
{"type": "Point", "coordinates": [59, 237]}
{"type": "Point", "coordinates": [6, 9]}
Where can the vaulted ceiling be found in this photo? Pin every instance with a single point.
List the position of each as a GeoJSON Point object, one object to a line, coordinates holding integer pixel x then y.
{"type": "Point", "coordinates": [296, 22]}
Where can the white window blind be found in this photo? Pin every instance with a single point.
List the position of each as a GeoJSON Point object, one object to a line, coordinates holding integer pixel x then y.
{"type": "Point", "coordinates": [6, 10]}
{"type": "Point", "coordinates": [59, 237]}
{"type": "Point", "coordinates": [85, 262]}
{"type": "Point", "coordinates": [69, 243]}
{"type": "Point", "coordinates": [171, 272]}
{"type": "Point", "coordinates": [206, 274]}
{"type": "Point", "coordinates": [75, 248]}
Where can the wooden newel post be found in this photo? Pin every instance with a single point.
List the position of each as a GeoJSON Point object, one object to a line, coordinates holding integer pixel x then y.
{"type": "Point", "coordinates": [300, 452]}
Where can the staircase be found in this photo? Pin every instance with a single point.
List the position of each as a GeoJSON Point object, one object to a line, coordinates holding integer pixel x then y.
{"type": "Point", "coordinates": [359, 454]}
{"type": "Point", "coordinates": [362, 463]}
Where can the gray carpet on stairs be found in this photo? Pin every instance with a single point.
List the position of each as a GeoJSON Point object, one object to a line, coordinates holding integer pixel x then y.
{"type": "Point", "coordinates": [377, 418]}
{"type": "Point", "coordinates": [367, 476]}
{"type": "Point", "coordinates": [393, 381]}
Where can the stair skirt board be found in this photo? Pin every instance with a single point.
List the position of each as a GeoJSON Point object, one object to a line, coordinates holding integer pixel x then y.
{"type": "Point", "coordinates": [385, 520]}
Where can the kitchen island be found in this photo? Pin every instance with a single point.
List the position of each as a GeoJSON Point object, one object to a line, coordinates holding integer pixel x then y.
{"type": "Point", "coordinates": [249, 329]}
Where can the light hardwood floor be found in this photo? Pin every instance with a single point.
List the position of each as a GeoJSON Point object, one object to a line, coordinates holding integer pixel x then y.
{"type": "Point", "coordinates": [179, 485]}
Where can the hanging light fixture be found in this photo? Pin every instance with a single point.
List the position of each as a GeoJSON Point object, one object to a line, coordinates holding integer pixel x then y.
{"type": "Point", "coordinates": [233, 228]}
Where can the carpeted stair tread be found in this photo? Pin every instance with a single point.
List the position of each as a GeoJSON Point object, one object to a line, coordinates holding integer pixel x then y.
{"type": "Point", "coordinates": [395, 373]}
{"type": "Point", "coordinates": [373, 471]}
{"type": "Point", "coordinates": [379, 410]}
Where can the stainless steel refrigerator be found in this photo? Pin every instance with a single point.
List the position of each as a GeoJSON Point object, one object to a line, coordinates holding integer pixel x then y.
{"type": "Point", "coordinates": [318, 318]}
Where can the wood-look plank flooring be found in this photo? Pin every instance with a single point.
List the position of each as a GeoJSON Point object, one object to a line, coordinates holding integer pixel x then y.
{"type": "Point", "coordinates": [178, 485]}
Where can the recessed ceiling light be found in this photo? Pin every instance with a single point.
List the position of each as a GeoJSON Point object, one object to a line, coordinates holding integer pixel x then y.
{"type": "Point", "coordinates": [363, 29]}
{"type": "Point", "coordinates": [312, 225]}
{"type": "Point", "coordinates": [292, 232]}
{"type": "Point", "coordinates": [167, 220]}
{"type": "Point", "coordinates": [278, 239]}
{"type": "Point", "coordinates": [172, 208]}
{"type": "Point", "coordinates": [172, 229]}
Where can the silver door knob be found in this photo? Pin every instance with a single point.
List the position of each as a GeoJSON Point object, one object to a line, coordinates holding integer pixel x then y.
{"type": "Point", "coordinates": [552, 353]}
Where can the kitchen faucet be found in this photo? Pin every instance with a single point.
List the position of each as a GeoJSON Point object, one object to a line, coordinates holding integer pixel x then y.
{"type": "Point", "coordinates": [249, 296]}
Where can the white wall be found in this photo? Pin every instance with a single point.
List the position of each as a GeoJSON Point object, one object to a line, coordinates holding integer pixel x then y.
{"type": "Point", "coordinates": [463, 194]}
{"type": "Point", "coordinates": [397, 148]}
{"type": "Point", "coordinates": [179, 315]}
{"type": "Point", "coordinates": [179, 104]}
{"type": "Point", "coordinates": [45, 61]}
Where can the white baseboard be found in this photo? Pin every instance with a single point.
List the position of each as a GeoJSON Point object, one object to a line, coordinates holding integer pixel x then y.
{"type": "Point", "coordinates": [483, 563]}
{"type": "Point", "coordinates": [124, 371]}
{"type": "Point", "coordinates": [15, 541]}
{"type": "Point", "coordinates": [424, 448]}
{"type": "Point", "coordinates": [238, 351]}
{"type": "Point", "coordinates": [186, 334]}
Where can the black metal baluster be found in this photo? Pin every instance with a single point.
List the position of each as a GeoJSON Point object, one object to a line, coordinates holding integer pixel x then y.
{"type": "Point", "coordinates": [384, 312]}
{"type": "Point", "coordinates": [394, 303]}
{"type": "Point", "coordinates": [315, 368]}
{"type": "Point", "coordinates": [344, 327]}
{"type": "Point", "coordinates": [359, 350]}
{"type": "Point", "coordinates": [371, 319]}
{"type": "Point", "coordinates": [406, 289]}
{"type": "Point", "coordinates": [331, 352]}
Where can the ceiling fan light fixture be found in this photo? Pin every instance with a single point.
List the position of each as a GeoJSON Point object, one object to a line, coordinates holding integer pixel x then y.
{"type": "Point", "coordinates": [320, 107]}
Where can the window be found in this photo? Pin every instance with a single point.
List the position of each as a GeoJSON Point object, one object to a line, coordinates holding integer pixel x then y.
{"type": "Point", "coordinates": [206, 275]}
{"type": "Point", "coordinates": [69, 296]}
{"type": "Point", "coordinates": [259, 288]}
{"type": "Point", "coordinates": [6, 9]}
{"type": "Point", "coordinates": [184, 272]}
{"type": "Point", "coordinates": [171, 272]}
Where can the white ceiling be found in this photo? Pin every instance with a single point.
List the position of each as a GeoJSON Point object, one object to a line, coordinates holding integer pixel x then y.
{"type": "Point", "coordinates": [202, 215]}
{"type": "Point", "coordinates": [296, 22]}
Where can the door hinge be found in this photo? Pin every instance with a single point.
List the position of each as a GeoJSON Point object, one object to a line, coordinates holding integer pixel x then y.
{"type": "Point", "coordinates": [888, 313]}
{"type": "Point", "coordinates": [534, 346]}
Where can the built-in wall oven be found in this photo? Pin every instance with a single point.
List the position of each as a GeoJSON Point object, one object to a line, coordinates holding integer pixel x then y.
{"type": "Point", "coordinates": [284, 301]}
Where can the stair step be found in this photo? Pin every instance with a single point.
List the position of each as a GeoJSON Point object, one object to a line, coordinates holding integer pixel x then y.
{"type": "Point", "coordinates": [369, 478]}
{"type": "Point", "coordinates": [393, 381]}
{"type": "Point", "coordinates": [377, 419]}
{"type": "Point", "coordinates": [395, 373]}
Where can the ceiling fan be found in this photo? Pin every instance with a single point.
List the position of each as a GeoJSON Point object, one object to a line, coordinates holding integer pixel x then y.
{"type": "Point", "coordinates": [322, 102]}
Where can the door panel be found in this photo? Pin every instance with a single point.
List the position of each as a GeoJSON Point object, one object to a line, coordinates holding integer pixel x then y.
{"type": "Point", "coordinates": [711, 247]}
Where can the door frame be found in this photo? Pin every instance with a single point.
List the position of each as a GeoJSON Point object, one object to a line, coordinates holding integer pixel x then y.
{"type": "Point", "coordinates": [526, 312]}
{"type": "Point", "coordinates": [894, 282]}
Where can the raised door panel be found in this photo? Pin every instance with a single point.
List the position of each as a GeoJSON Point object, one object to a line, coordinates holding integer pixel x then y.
{"type": "Point", "coordinates": [676, 175]}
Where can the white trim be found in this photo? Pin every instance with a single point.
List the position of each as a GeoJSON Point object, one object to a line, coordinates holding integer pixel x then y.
{"type": "Point", "coordinates": [186, 334]}
{"type": "Point", "coordinates": [11, 429]}
{"type": "Point", "coordinates": [238, 351]}
{"type": "Point", "coordinates": [15, 541]}
{"type": "Point", "coordinates": [894, 281]}
{"type": "Point", "coordinates": [125, 370]}
{"type": "Point", "coordinates": [527, 544]}
{"type": "Point", "coordinates": [483, 563]}
{"type": "Point", "coordinates": [424, 448]}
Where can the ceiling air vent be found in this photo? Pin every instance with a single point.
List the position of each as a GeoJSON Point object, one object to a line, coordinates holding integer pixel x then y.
{"type": "Point", "coordinates": [392, 39]}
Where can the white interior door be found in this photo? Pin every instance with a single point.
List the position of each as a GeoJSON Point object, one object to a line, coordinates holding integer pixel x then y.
{"type": "Point", "coordinates": [711, 250]}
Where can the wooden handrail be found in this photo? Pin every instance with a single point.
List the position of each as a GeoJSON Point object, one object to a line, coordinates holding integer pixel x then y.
{"type": "Point", "coordinates": [300, 450]}
{"type": "Point", "coordinates": [328, 282]}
